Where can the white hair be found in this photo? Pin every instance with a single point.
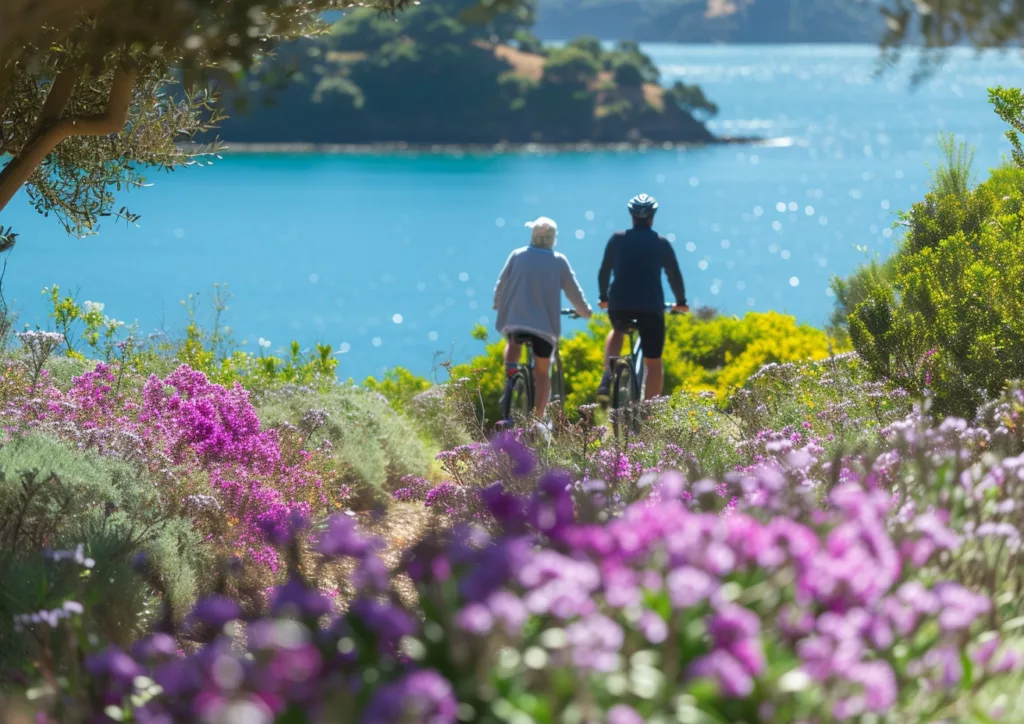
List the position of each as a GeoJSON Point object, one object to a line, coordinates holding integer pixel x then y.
{"type": "Point", "coordinates": [544, 231]}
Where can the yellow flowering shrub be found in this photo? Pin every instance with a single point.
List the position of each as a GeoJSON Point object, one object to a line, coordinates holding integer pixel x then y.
{"type": "Point", "coordinates": [716, 354]}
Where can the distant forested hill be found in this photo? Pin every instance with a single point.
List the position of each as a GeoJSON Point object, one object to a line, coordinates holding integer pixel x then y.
{"type": "Point", "coordinates": [713, 21]}
{"type": "Point", "coordinates": [426, 77]}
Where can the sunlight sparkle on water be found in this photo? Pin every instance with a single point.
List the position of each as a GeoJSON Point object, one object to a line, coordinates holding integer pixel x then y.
{"type": "Point", "coordinates": [249, 220]}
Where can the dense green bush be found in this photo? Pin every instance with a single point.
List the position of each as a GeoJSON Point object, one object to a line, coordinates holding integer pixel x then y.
{"type": "Point", "coordinates": [857, 288]}
{"type": "Point", "coordinates": [951, 323]}
{"type": "Point", "coordinates": [63, 370]}
{"type": "Point", "coordinates": [399, 386]}
{"type": "Point", "coordinates": [54, 496]}
{"type": "Point", "coordinates": [373, 445]}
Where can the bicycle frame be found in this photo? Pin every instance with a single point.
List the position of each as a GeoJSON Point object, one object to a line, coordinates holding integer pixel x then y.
{"type": "Point", "coordinates": [556, 373]}
{"type": "Point", "coordinates": [635, 361]}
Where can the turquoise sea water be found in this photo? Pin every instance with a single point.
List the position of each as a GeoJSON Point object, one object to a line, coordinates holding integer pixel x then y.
{"type": "Point", "coordinates": [392, 259]}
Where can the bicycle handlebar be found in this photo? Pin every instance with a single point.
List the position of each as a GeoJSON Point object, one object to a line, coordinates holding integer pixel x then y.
{"type": "Point", "coordinates": [572, 314]}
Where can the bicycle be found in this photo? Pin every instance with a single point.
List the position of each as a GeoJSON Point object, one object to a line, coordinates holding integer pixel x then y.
{"type": "Point", "coordinates": [629, 385]}
{"type": "Point", "coordinates": [521, 390]}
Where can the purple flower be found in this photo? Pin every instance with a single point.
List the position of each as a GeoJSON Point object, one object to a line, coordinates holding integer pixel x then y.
{"type": "Point", "coordinates": [688, 586]}
{"type": "Point", "coordinates": [279, 531]}
{"type": "Point", "coordinates": [156, 646]}
{"type": "Point", "coordinates": [653, 626]}
{"type": "Point", "coordinates": [295, 598]}
{"type": "Point", "coordinates": [595, 641]}
{"type": "Point", "coordinates": [493, 567]}
{"type": "Point", "coordinates": [215, 611]}
{"type": "Point", "coordinates": [552, 511]}
{"type": "Point", "coordinates": [509, 610]}
{"type": "Point", "coordinates": [114, 663]}
{"type": "Point", "coordinates": [523, 460]}
{"type": "Point", "coordinates": [723, 668]}
{"type": "Point", "coordinates": [750, 653]}
{"type": "Point", "coordinates": [959, 607]}
{"type": "Point", "coordinates": [733, 623]}
{"type": "Point", "coordinates": [622, 714]}
{"type": "Point", "coordinates": [388, 622]}
{"type": "Point", "coordinates": [508, 510]}
{"type": "Point", "coordinates": [475, 618]}
{"type": "Point", "coordinates": [343, 539]}
{"type": "Point", "coordinates": [879, 684]}
{"type": "Point", "coordinates": [371, 574]}
{"type": "Point", "coordinates": [426, 562]}
{"type": "Point", "coordinates": [177, 677]}
{"type": "Point", "coordinates": [424, 697]}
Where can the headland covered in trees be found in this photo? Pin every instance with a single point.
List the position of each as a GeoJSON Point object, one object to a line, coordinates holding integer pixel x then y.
{"type": "Point", "coordinates": [432, 76]}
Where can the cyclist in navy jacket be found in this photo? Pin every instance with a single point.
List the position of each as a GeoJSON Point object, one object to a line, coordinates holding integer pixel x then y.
{"type": "Point", "coordinates": [633, 263]}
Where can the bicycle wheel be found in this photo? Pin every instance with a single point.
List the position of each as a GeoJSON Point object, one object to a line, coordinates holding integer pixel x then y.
{"type": "Point", "coordinates": [518, 403]}
{"type": "Point", "coordinates": [639, 373]}
{"type": "Point", "coordinates": [623, 398]}
{"type": "Point", "coordinates": [557, 381]}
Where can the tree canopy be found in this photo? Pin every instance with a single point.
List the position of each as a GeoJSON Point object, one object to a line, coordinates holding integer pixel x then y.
{"type": "Point", "coordinates": [83, 89]}
{"type": "Point", "coordinates": [941, 24]}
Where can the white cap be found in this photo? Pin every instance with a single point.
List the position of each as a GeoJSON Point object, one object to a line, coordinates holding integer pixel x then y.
{"type": "Point", "coordinates": [543, 229]}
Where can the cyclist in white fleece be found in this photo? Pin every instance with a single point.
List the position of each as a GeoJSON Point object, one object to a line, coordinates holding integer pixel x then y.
{"type": "Point", "coordinates": [528, 301]}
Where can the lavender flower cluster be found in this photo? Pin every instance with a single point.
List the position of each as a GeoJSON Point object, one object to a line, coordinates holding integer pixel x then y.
{"type": "Point", "coordinates": [184, 427]}
{"type": "Point", "coordinates": [666, 612]}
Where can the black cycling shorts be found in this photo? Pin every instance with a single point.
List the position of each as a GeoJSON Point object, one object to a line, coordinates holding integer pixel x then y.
{"type": "Point", "coordinates": [649, 325]}
{"type": "Point", "coordinates": [542, 348]}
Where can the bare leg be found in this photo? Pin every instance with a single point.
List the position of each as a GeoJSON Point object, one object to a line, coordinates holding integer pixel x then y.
{"type": "Point", "coordinates": [513, 352]}
{"type": "Point", "coordinates": [655, 377]}
{"type": "Point", "coordinates": [612, 348]}
{"type": "Point", "coordinates": [542, 379]}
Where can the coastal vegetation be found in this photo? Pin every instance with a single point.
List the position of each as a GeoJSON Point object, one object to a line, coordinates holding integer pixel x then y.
{"type": "Point", "coordinates": [431, 76]}
{"type": "Point", "coordinates": [797, 532]}
{"type": "Point", "coordinates": [176, 508]}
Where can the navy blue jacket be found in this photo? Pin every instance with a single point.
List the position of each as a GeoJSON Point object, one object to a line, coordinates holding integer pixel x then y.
{"type": "Point", "coordinates": [633, 262]}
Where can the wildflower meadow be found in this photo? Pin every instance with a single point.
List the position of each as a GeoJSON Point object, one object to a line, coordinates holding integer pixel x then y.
{"type": "Point", "coordinates": [811, 526]}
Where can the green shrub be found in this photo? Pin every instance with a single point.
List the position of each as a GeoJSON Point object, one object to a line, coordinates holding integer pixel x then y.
{"type": "Point", "coordinates": [399, 386]}
{"type": "Point", "coordinates": [375, 445]}
{"type": "Point", "coordinates": [63, 370]}
{"type": "Point", "coordinates": [56, 496]}
{"type": "Point", "coordinates": [952, 323]}
{"type": "Point", "coordinates": [856, 288]}
{"type": "Point", "coordinates": [953, 177]}
{"type": "Point", "coordinates": [833, 399]}
{"type": "Point", "coordinates": [628, 74]}
{"type": "Point", "coordinates": [446, 413]}
{"type": "Point", "coordinates": [210, 348]}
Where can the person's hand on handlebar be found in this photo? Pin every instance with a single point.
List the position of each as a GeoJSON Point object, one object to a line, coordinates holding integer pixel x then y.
{"type": "Point", "coordinates": [603, 305]}
{"type": "Point", "coordinates": [680, 309]}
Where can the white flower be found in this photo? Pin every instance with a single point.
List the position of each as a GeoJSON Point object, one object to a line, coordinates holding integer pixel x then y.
{"type": "Point", "coordinates": [90, 307]}
{"type": "Point", "coordinates": [264, 343]}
